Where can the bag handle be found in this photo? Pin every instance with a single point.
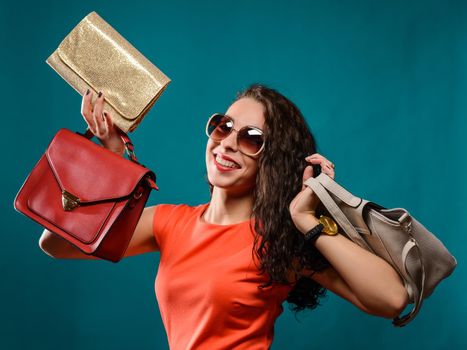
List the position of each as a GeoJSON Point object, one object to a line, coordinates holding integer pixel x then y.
{"type": "Point", "coordinates": [337, 190]}
{"type": "Point", "coordinates": [129, 149]}
{"type": "Point", "coordinates": [412, 245]}
{"type": "Point", "coordinates": [336, 212]}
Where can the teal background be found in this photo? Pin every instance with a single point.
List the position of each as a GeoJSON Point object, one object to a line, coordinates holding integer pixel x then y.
{"type": "Point", "coordinates": [381, 83]}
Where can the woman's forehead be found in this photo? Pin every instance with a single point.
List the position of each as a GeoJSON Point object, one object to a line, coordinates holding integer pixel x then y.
{"type": "Point", "coordinates": [247, 111]}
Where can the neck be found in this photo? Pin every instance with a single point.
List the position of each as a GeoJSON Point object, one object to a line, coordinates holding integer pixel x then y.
{"type": "Point", "coordinates": [226, 209]}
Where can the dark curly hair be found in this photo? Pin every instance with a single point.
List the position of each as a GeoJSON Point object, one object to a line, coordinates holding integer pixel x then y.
{"type": "Point", "coordinates": [282, 248]}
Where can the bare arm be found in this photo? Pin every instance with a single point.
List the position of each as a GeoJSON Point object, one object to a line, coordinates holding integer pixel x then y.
{"type": "Point", "coordinates": [101, 125]}
{"type": "Point", "coordinates": [357, 275]}
{"type": "Point", "coordinates": [361, 277]}
{"type": "Point", "coordinates": [142, 241]}
{"type": "Point", "coordinates": [331, 280]}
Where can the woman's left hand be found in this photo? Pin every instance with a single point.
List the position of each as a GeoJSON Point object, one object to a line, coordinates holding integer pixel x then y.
{"type": "Point", "coordinates": [303, 206]}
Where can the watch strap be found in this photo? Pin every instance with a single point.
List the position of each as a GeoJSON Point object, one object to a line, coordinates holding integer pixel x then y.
{"type": "Point", "coordinates": [314, 232]}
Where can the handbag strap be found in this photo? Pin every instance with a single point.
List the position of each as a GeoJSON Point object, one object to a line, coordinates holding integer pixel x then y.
{"type": "Point", "coordinates": [339, 191]}
{"type": "Point", "coordinates": [336, 212]}
{"type": "Point", "coordinates": [129, 149]}
{"type": "Point", "coordinates": [412, 245]}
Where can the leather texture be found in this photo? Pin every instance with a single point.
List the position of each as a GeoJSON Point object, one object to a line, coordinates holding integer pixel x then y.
{"type": "Point", "coordinates": [416, 254]}
{"type": "Point", "coordinates": [112, 193]}
{"type": "Point", "coordinates": [95, 56]}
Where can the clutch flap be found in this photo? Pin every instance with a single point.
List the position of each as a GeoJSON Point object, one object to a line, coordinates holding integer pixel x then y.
{"type": "Point", "coordinates": [90, 172]}
{"type": "Point", "coordinates": [109, 63]}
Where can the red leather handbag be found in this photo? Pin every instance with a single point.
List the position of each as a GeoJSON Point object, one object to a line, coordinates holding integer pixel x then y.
{"type": "Point", "coordinates": [87, 194]}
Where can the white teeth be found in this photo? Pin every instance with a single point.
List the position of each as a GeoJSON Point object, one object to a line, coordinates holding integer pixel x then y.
{"type": "Point", "coordinates": [226, 163]}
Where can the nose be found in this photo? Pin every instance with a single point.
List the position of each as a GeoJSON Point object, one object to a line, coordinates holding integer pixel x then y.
{"type": "Point", "coordinates": [230, 141]}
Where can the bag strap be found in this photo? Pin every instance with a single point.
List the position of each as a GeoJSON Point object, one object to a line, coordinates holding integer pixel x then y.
{"type": "Point", "coordinates": [412, 245]}
{"type": "Point", "coordinates": [336, 212]}
{"type": "Point", "coordinates": [337, 190]}
{"type": "Point", "coordinates": [129, 149]}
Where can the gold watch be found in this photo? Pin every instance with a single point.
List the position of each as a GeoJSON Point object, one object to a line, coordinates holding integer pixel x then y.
{"type": "Point", "coordinates": [330, 226]}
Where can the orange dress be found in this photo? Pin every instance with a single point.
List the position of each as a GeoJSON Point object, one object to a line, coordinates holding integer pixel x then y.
{"type": "Point", "coordinates": [207, 283]}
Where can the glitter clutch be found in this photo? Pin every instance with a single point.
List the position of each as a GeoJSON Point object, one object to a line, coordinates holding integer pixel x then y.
{"type": "Point", "coordinates": [95, 56]}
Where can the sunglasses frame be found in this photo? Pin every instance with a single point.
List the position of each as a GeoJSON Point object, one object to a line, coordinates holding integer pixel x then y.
{"type": "Point", "coordinates": [233, 129]}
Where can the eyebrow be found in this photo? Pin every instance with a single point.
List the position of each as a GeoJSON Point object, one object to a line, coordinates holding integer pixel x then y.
{"type": "Point", "coordinates": [228, 115]}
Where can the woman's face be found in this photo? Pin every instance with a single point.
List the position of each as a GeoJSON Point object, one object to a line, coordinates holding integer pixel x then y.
{"type": "Point", "coordinates": [242, 178]}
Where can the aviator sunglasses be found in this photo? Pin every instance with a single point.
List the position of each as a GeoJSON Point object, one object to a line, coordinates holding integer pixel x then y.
{"type": "Point", "coordinates": [250, 140]}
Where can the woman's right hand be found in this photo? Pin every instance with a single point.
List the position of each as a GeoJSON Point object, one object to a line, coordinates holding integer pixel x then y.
{"type": "Point", "coordinates": [100, 123]}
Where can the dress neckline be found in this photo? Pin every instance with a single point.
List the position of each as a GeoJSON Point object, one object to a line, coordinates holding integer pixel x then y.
{"type": "Point", "coordinates": [201, 220]}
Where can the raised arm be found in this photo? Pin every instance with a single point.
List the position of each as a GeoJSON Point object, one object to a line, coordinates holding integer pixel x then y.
{"type": "Point", "coordinates": [142, 241]}
{"type": "Point", "coordinates": [357, 275]}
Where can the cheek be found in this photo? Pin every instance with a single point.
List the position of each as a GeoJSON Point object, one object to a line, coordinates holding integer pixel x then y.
{"type": "Point", "coordinates": [252, 169]}
{"type": "Point", "coordinates": [209, 147]}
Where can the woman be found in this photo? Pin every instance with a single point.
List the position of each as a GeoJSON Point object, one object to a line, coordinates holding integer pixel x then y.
{"type": "Point", "coordinates": [227, 266]}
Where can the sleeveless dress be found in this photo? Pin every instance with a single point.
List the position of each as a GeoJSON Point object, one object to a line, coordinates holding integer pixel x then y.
{"type": "Point", "coordinates": [207, 283]}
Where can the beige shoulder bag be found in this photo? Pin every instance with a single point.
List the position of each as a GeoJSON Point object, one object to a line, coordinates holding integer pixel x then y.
{"type": "Point", "coordinates": [416, 254]}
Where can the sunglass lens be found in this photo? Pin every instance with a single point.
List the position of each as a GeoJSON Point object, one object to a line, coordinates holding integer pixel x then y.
{"type": "Point", "coordinates": [219, 127]}
{"type": "Point", "coordinates": [250, 140]}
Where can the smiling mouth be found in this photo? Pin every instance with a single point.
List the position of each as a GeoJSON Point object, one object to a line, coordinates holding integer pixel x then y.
{"type": "Point", "coordinates": [225, 163]}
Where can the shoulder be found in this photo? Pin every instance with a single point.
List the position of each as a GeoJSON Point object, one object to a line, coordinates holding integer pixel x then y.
{"type": "Point", "coordinates": [166, 210]}
{"type": "Point", "coordinates": [166, 215]}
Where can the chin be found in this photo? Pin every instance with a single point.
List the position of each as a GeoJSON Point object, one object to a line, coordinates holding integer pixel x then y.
{"type": "Point", "coordinates": [231, 185]}
{"type": "Point", "coordinates": [237, 181]}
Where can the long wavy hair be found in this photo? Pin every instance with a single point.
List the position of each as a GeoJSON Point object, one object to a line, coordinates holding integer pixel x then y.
{"type": "Point", "coordinates": [288, 140]}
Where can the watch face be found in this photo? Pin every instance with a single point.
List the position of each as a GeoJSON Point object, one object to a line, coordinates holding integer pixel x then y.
{"type": "Point", "coordinates": [330, 226]}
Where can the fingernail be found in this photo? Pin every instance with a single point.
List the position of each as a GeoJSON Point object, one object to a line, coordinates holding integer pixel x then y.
{"type": "Point", "coordinates": [100, 94]}
{"type": "Point", "coordinates": [103, 116]}
{"type": "Point", "coordinates": [87, 92]}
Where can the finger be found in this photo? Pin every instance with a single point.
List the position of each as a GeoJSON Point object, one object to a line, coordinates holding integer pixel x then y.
{"type": "Point", "coordinates": [98, 109]}
{"type": "Point", "coordinates": [317, 156]}
{"type": "Point", "coordinates": [86, 111]}
{"type": "Point", "coordinates": [307, 173]}
{"type": "Point", "coordinates": [108, 121]}
{"type": "Point", "coordinates": [321, 161]}
{"type": "Point", "coordinates": [98, 132]}
{"type": "Point", "coordinates": [326, 167]}
{"type": "Point", "coordinates": [314, 155]}
{"type": "Point", "coordinates": [328, 170]}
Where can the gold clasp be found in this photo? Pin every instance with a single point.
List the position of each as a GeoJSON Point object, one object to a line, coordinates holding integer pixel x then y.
{"type": "Point", "coordinates": [69, 201]}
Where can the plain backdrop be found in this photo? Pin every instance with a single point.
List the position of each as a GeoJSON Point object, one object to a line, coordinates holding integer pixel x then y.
{"type": "Point", "coordinates": [382, 85]}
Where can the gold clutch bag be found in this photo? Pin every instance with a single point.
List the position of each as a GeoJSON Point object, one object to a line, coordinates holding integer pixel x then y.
{"type": "Point", "coordinates": [95, 56]}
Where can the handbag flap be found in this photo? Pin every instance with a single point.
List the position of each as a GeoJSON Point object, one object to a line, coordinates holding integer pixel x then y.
{"type": "Point", "coordinates": [89, 171]}
{"type": "Point", "coordinates": [107, 62]}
